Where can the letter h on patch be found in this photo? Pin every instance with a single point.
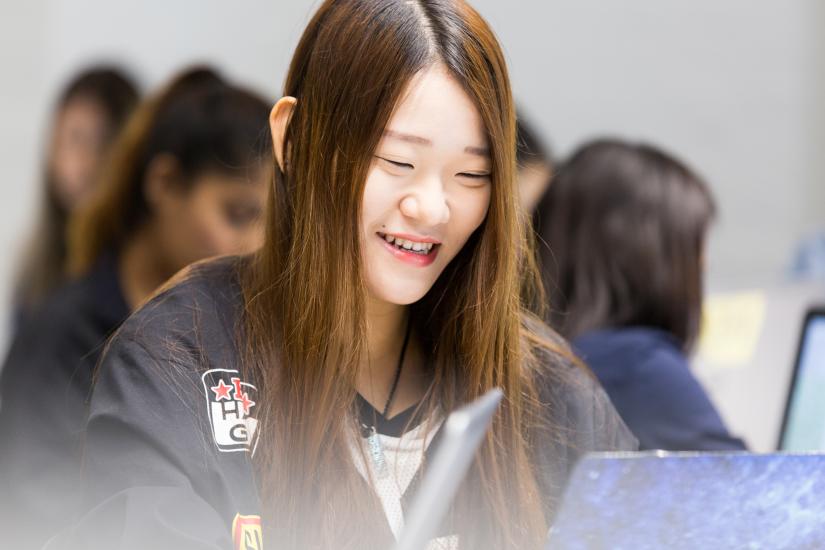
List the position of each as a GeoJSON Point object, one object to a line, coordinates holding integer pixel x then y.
{"type": "Point", "coordinates": [229, 403]}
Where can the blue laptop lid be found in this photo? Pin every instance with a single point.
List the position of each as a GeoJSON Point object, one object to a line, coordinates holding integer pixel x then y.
{"type": "Point", "coordinates": [693, 500]}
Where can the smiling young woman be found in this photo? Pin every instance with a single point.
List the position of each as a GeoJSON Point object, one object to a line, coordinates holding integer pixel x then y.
{"type": "Point", "coordinates": [302, 388]}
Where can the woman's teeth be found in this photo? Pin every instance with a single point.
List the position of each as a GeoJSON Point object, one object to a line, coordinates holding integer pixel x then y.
{"type": "Point", "coordinates": [411, 246]}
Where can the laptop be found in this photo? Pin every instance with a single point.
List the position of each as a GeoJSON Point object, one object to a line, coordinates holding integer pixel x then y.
{"type": "Point", "coordinates": [803, 423]}
{"type": "Point", "coordinates": [462, 434]}
{"type": "Point", "coordinates": [693, 500]}
{"type": "Point", "coordinates": [749, 386]}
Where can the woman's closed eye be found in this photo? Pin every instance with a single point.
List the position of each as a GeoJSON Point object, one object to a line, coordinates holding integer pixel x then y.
{"type": "Point", "coordinates": [475, 175]}
{"type": "Point", "coordinates": [395, 163]}
{"type": "Point", "coordinates": [474, 179]}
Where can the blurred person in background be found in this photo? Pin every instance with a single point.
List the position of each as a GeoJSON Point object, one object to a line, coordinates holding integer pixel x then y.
{"type": "Point", "coordinates": [535, 164]}
{"type": "Point", "coordinates": [624, 227]}
{"type": "Point", "coordinates": [89, 114]}
{"type": "Point", "coordinates": [186, 180]}
{"type": "Point", "coordinates": [809, 258]}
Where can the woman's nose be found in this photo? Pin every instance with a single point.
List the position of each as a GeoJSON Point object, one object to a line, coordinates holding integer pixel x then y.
{"type": "Point", "coordinates": [427, 203]}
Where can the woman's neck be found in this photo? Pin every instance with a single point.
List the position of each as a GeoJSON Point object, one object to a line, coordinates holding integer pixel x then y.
{"type": "Point", "coordinates": [386, 329]}
{"type": "Point", "coordinates": [140, 269]}
{"type": "Point", "coordinates": [386, 325]}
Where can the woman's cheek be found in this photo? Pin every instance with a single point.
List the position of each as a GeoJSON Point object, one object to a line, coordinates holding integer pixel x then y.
{"type": "Point", "coordinates": [472, 204]}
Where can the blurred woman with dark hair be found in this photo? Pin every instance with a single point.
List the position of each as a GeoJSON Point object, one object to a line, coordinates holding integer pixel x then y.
{"type": "Point", "coordinates": [625, 228]}
{"type": "Point", "coordinates": [534, 162]}
{"type": "Point", "coordinates": [185, 180]}
{"type": "Point", "coordinates": [89, 114]}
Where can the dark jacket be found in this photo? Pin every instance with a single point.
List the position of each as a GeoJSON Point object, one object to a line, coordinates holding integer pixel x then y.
{"type": "Point", "coordinates": [171, 427]}
{"type": "Point", "coordinates": [45, 385]}
{"type": "Point", "coordinates": [646, 375]}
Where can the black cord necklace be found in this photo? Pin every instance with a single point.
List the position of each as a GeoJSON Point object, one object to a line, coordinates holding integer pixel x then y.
{"type": "Point", "coordinates": [395, 380]}
{"type": "Point", "coordinates": [370, 432]}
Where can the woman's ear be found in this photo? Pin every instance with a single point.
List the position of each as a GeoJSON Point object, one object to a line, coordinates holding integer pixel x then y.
{"type": "Point", "coordinates": [161, 181]}
{"type": "Point", "coordinates": [278, 122]}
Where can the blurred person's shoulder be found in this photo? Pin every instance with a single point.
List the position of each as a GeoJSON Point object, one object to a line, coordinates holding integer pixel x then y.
{"type": "Point", "coordinates": [73, 320]}
{"type": "Point", "coordinates": [619, 355]}
{"type": "Point", "coordinates": [94, 298]}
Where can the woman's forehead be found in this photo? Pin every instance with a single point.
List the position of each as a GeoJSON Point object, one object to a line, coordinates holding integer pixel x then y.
{"type": "Point", "coordinates": [435, 111]}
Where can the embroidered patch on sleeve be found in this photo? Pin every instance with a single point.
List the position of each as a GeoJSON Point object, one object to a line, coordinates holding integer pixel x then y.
{"type": "Point", "coordinates": [246, 533]}
{"type": "Point", "coordinates": [230, 402]}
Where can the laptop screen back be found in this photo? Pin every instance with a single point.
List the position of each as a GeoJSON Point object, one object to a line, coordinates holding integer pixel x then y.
{"type": "Point", "coordinates": [804, 424]}
{"type": "Point", "coordinates": [685, 501]}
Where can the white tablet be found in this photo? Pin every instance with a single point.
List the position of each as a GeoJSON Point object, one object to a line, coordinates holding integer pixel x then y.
{"type": "Point", "coordinates": [462, 434]}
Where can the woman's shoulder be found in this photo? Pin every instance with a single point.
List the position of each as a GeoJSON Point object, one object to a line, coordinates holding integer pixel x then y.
{"type": "Point", "coordinates": [576, 417]}
{"type": "Point", "coordinates": [201, 302]}
{"type": "Point", "coordinates": [571, 396]}
{"type": "Point", "coordinates": [177, 348]}
{"type": "Point", "coordinates": [211, 284]}
{"type": "Point", "coordinates": [171, 402]}
{"type": "Point", "coordinates": [189, 327]}
{"type": "Point", "coordinates": [557, 368]}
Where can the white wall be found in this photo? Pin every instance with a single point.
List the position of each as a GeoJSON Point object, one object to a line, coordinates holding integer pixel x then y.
{"type": "Point", "coordinates": [22, 97]}
{"type": "Point", "coordinates": [730, 86]}
{"type": "Point", "coordinates": [733, 87]}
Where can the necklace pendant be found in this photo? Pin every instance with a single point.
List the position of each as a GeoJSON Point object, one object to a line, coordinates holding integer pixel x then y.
{"type": "Point", "coordinates": [377, 453]}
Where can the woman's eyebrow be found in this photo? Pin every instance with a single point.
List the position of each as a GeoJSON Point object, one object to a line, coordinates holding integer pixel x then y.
{"type": "Point", "coordinates": [418, 140]}
{"type": "Point", "coordinates": [408, 138]}
{"type": "Point", "coordinates": [480, 151]}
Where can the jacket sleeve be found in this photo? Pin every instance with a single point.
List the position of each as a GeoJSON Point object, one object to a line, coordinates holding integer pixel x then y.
{"type": "Point", "coordinates": [148, 470]}
{"type": "Point", "coordinates": [578, 419]}
{"type": "Point", "coordinates": [585, 419]}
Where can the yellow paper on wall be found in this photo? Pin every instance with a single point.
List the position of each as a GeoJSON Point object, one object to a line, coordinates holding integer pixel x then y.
{"type": "Point", "coordinates": [731, 326]}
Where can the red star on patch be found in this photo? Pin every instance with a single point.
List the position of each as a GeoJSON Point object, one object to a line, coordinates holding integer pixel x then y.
{"type": "Point", "coordinates": [222, 391]}
{"type": "Point", "coordinates": [246, 403]}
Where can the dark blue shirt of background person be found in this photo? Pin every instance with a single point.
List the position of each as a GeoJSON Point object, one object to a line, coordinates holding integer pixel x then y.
{"type": "Point", "coordinates": [625, 226]}
{"type": "Point", "coordinates": [646, 375]}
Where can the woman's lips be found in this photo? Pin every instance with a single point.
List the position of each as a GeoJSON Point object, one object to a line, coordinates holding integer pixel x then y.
{"type": "Point", "coordinates": [410, 257]}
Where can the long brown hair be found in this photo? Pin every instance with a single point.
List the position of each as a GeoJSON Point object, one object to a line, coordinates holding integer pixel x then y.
{"type": "Point", "coordinates": [304, 327]}
{"type": "Point", "coordinates": [625, 226]}
{"type": "Point", "coordinates": [115, 92]}
{"type": "Point", "coordinates": [204, 122]}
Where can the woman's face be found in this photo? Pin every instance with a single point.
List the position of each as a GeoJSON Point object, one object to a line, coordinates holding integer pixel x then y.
{"type": "Point", "coordinates": [427, 190]}
{"type": "Point", "coordinates": [80, 138]}
{"type": "Point", "coordinates": [215, 215]}
{"type": "Point", "coordinates": [533, 180]}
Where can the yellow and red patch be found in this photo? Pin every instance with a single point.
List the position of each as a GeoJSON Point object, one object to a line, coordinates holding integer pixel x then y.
{"type": "Point", "coordinates": [246, 533]}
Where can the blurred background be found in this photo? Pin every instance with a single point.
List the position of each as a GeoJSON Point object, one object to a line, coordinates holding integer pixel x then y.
{"type": "Point", "coordinates": [736, 89]}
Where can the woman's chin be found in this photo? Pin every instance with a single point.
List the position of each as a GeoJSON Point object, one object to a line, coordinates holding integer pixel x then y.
{"type": "Point", "coordinates": [401, 295]}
